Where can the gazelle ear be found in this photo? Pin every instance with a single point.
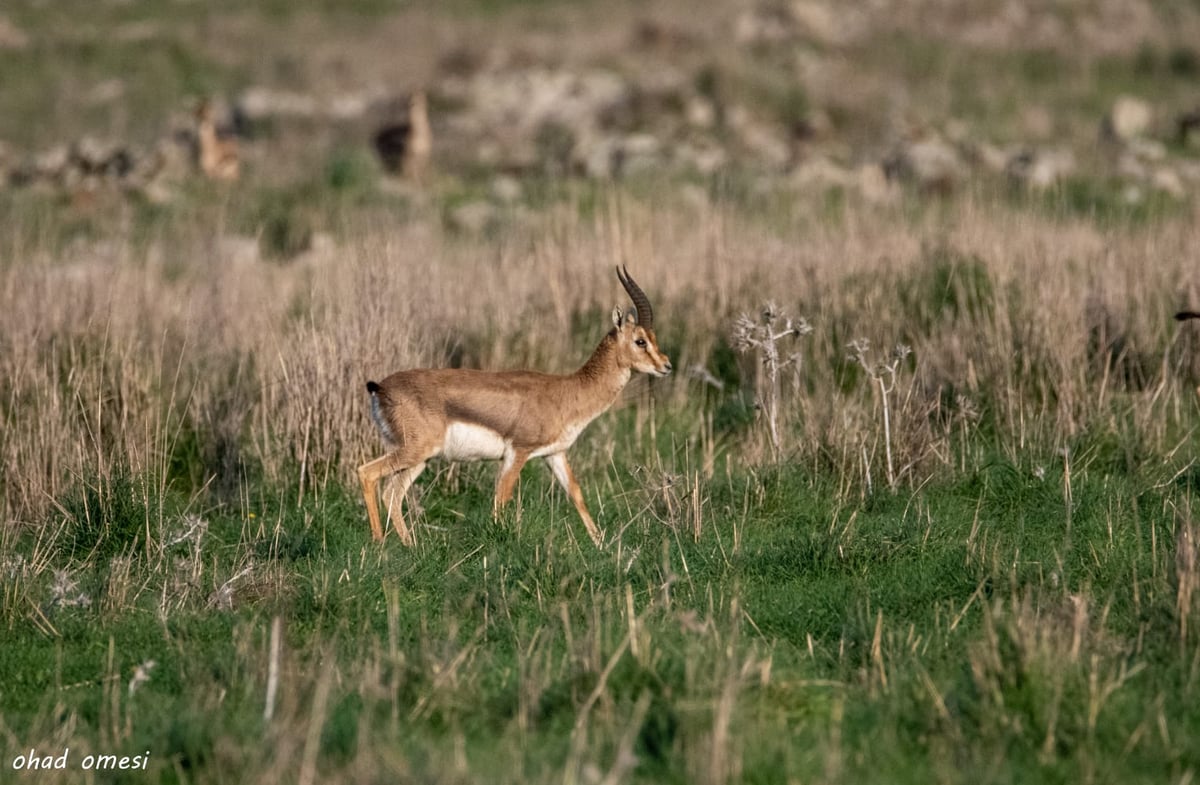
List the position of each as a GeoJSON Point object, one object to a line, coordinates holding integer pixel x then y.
{"type": "Point", "coordinates": [616, 317]}
{"type": "Point", "coordinates": [631, 315]}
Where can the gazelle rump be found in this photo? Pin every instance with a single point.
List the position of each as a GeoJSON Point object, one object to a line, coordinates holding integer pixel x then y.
{"type": "Point", "coordinates": [510, 416]}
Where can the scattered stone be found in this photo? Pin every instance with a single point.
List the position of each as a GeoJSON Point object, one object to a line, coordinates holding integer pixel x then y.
{"type": "Point", "coordinates": [1040, 169]}
{"type": "Point", "coordinates": [638, 153]}
{"type": "Point", "coordinates": [764, 25]}
{"type": "Point", "coordinates": [613, 156]}
{"type": "Point", "coordinates": [521, 102]}
{"type": "Point", "coordinates": [1147, 149]}
{"type": "Point", "coordinates": [700, 112]}
{"type": "Point", "coordinates": [262, 103]}
{"type": "Point", "coordinates": [1131, 167]}
{"type": "Point", "coordinates": [1189, 171]}
{"type": "Point", "coordinates": [52, 163]}
{"type": "Point", "coordinates": [875, 185]}
{"type": "Point", "coordinates": [819, 172]}
{"type": "Point", "coordinates": [506, 189]}
{"type": "Point", "coordinates": [703, 156]}
{"type": "Point", "coordinates": [831, 24]}
{"type": "Point", "coordinates": [763, 141]}
{"type": "Point", "coordinates": [991, 157]}
{"type": "Point", "coordinates": [930, 163]}
{"type": "Point", "coordinates": [1167, 180]}
{"type": "Point", "coordinates": [1129, 118]}
{"type": "Point", "coordinates": [1132, 194]}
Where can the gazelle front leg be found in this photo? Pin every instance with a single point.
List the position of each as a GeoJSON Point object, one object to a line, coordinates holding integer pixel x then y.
{"type": "Point", "coordinates": [566, 478]}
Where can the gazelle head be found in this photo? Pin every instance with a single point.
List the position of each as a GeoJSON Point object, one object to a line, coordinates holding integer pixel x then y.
{"type": "Point", "coordinates": [637, 345]}
{"type": "Point", "coordinates": [205, 113]}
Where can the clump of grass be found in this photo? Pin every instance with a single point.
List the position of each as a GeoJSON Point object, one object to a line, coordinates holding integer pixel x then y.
{"type": "Point", "coordinates": [107, 518]}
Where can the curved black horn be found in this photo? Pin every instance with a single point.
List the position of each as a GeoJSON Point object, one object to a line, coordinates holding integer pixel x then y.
{"type": "Point", "coordinates": [645, 314]}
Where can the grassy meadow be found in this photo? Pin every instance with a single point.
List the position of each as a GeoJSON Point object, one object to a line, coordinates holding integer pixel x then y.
{"type": "Point", "coordinates": [938, 528]}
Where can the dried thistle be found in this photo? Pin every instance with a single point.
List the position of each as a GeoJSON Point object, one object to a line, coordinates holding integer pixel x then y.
{"type": "Point", "coordinates": [141, 675]}
{"type": "Point", "coordinates": [765, 337]}
{"type": "Point", "coordinates": [193, 530]}
{"type": "Point", "coordinates": [222, 597]}
{"type": "Point", "coordinates": [65, 592]}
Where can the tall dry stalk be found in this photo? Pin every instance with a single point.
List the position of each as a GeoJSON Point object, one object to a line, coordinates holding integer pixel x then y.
{"type": "Point", "coordinates": [1187, 574]}
{"type": "Point", "coordinates": [883, 375]}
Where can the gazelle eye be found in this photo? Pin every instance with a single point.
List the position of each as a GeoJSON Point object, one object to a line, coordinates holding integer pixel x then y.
{"type": "Point", "coordinates": [640, 342]}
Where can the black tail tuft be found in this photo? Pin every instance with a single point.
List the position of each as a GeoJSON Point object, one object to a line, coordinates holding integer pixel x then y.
{"type": "Point", "coordinates": [373, 388]}
{"type": "Point", "coordinates": [1187, 315]}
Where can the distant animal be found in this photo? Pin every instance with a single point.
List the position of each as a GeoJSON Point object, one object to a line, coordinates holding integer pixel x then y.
{"type": "Point", "coordinates": [511, 416]}
{"type": "Point", "coordinates": [1182, 315]}
{"type": "Point", "coordinates": [404, 146]}
{"type": "Point", "coordinates": [216, 149]}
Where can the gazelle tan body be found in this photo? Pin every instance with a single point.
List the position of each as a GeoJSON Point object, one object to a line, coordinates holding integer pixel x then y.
{"type": "Point", "coordinates": [217, 154]}
{"type": "Point", "coordinates": [511, 416]}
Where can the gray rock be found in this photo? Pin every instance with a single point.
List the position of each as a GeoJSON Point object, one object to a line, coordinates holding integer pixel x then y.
{"type": "Point", "coordinates": [1040, 169]}
{"type": "Point", "coordinates": [1129, 118]}
{"type": "Point", "coordinates": [929, 163]}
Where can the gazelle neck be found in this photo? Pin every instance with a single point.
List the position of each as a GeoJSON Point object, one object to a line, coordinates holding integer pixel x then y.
{"type": "Point", "coordinates": [604, 373]}
{"type": "Point", "coordinates": [207, 136]}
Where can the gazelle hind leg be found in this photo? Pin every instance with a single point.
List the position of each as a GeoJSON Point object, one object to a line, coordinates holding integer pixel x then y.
{"type": "Point", "coordinates": [566, 478]}
{"type": "Point", "coordinates": [370, 474]}
{"type": "Point", "coordinates": [393, 497]}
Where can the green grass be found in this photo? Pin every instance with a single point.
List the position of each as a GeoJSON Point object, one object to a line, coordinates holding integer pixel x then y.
{"type": "Point", "coordinates": [891, 632]}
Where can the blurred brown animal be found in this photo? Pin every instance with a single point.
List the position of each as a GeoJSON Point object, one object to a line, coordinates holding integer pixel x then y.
{"type": "Point", "coordinates": [404, 146]}
{"type": "Point", "coordinates": [216, 150]}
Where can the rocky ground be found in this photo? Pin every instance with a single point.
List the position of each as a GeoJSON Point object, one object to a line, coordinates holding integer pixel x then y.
{"type": "Point", "coordinates": [882, 100]}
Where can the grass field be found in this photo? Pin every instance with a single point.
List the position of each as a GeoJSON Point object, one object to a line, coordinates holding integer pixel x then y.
{"type": "Point", "coordinates": [945, 536]}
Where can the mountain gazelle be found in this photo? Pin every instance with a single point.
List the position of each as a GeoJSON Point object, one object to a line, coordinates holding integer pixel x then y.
{"type": "Point", "coordinates": [510, 416]}
{"type": "Point", "coordinates": [216, 149]}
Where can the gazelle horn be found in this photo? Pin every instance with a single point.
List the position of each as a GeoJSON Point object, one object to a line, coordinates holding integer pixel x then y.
{"type": "Point", "coordinates": [645, 314]}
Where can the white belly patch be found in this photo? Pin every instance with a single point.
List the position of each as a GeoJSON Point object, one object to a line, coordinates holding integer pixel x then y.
{"type": "Point", "coordinates": [466, 442]}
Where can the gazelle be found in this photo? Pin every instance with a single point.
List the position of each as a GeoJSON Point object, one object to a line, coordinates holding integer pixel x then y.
{"type": "Point", "coordinates": [216, 152]}
{"type": "Point", "coordinates": [404, 146]}
{"type": "Point", "coordinates": [511, 416]}
{"type": "Point", "coordinates": [1182, 315]}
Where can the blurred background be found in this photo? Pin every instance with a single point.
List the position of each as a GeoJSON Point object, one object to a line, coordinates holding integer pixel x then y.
{"type": "Point", "coordinates": [99, 100]}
